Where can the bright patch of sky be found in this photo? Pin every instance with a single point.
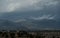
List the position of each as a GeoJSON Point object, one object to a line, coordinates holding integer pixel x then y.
{"type": "Point", "coordinates": [21, 5]}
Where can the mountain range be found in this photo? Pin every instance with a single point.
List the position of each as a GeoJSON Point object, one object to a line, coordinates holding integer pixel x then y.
{"type": "Point", "coordinates": [30, 24]}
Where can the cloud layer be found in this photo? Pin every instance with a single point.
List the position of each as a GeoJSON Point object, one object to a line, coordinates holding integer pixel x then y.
{"type": "Point", "coordinates": [23, 5]}
{"type": "Point", "coordinates": [43, 17]}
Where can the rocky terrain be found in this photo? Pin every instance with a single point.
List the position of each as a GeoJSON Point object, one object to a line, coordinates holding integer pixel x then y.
{"type": "Point", "coordinates": [30, 34]}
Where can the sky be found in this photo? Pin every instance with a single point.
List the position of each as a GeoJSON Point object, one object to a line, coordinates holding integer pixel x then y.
{"type": "Point", "coordinates": [49, 8]}
{"type": "Point", "coordinates": [16, 10]}
{"type": "Point", "coordinates": [24, 5]}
